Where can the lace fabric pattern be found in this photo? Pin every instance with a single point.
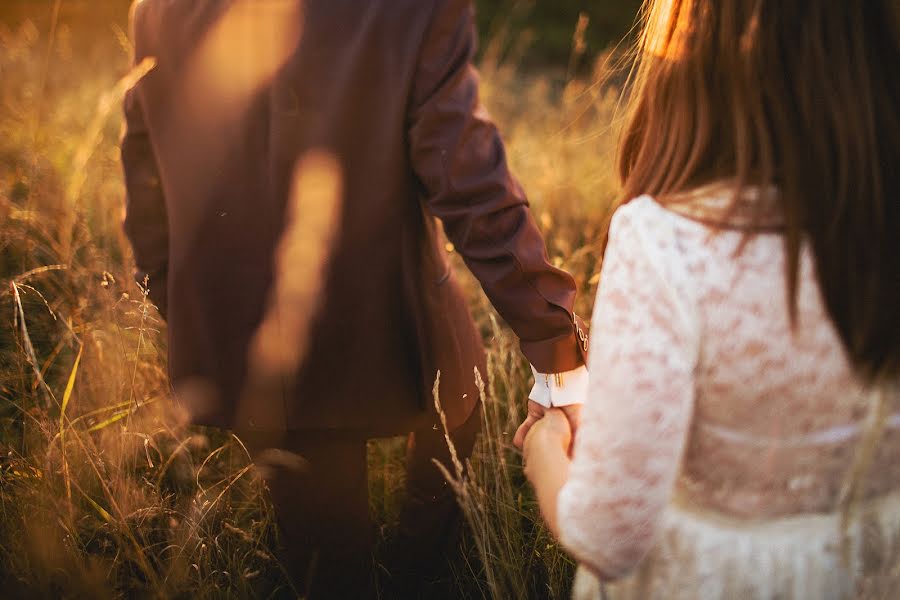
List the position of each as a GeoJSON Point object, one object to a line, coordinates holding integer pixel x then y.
{"type": "Point", "coordinates": [702, 389]}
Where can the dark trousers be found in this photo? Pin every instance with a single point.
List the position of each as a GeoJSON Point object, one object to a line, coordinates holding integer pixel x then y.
{"type": "Point", "coordinates": [319, 489]}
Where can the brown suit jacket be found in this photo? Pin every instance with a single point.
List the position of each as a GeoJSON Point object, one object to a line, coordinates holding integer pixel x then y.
{"type": "Point", "coordinates": [387, 87]}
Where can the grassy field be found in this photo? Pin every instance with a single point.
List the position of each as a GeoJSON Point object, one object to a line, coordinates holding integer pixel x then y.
{"type": "Point", "coordinates": [104, 491]}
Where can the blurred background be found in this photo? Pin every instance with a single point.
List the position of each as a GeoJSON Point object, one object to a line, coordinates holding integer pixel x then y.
{"type": "Point", "coordinates": [547, 25]}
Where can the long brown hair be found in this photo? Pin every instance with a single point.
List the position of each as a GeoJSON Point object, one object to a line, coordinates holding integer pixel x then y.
{"type": "Point", "coordinates": [804, 96]}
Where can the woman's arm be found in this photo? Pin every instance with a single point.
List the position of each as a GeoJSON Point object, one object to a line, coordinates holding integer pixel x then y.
{"type": "Point", "coordinates": [628, 450]}
{"type": "Point", "coordinates": [547, 462]}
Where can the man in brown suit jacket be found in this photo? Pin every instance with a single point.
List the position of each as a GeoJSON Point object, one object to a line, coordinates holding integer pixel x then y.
{"type": "Point", "coordinates": [241, 92]}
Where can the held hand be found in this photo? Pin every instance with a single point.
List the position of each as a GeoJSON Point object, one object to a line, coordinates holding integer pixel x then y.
{"type": "Point", "coordinates": [552, 431]}
{"type": "Point", "coordinates": [536, 411]}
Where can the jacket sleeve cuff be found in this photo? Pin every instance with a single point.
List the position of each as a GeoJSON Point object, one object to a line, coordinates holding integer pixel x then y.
{"type": "Point", "coordinates": [559, 354]}
{"type": "Point", "coordinates": [560, 389]}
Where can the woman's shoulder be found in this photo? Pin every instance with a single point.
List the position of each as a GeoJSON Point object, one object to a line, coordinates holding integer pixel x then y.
{"type": "Point", "coordinates": [721, 205]}
{"type": "Point", "coordinates": [641, 215]}
{"type": "Point", "coordinates": [713, 221]}
{"type": "Point", "coordinates": [695, 242]}
{"type": "Point", "coordinates": [652, 215]}
{"type": "Point", "coordinates": [646, 224]}
{"type": "Point", "coordinates": [647, 238]}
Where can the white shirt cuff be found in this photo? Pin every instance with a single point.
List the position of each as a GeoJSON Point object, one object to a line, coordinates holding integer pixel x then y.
{"type": "Point", "coordinates": [560, 389]}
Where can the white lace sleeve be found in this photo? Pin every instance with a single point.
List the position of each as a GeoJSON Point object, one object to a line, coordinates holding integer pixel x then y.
{"type": "Point", "coordinates": [644, 344]}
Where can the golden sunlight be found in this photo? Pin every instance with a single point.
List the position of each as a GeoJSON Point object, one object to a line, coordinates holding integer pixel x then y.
{"type": "Point", "coordinates": [668, 22]}
{"type": "Point", "coordinates": [242, 53]}
{"type": "Point", "coordinates": [280, 342]}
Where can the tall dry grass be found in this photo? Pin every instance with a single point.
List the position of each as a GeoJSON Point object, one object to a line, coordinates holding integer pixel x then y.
{"type": "Point", "coordinates": [104, 491]}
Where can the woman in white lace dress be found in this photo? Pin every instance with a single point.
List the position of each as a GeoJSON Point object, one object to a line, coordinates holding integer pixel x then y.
{"type": "Point", "coordinates": [741, 438]}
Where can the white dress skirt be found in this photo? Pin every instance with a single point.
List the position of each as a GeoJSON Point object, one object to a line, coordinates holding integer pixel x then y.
{"type": "Point", "coordinates": [704, 556]}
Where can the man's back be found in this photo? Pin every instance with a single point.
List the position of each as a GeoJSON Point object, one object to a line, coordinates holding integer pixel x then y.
{"type": "Point", "coordinates": [241, 92]}
{"type": "Point", "coordinates": [245, 97]}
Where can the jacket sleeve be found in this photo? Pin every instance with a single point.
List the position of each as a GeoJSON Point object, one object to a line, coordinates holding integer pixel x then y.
{"type": "Point", "coordinates": [146, 222]}
{"type": "Point", "coordinates": [460, 161]}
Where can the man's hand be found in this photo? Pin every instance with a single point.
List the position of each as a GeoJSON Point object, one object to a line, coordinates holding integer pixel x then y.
{"type": "Point", "coordinates": [536, 412]}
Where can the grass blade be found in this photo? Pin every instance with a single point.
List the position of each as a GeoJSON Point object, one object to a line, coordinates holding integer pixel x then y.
{"type": "Point", "coordinates": [70, 385]}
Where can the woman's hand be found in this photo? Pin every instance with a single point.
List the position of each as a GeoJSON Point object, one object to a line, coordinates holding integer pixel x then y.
{"type": "Point", "coordinates": [552, 431]}
{"type": "Point", "coordinates": [536, 412]}
{"type": "Point", "coordinates": [547, 461]}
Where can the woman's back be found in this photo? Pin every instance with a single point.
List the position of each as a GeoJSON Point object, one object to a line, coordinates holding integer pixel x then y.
{"type": "Point", "coordinates": [754, 427]}
{"type": "Point", "coordinates": [778, 413]}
